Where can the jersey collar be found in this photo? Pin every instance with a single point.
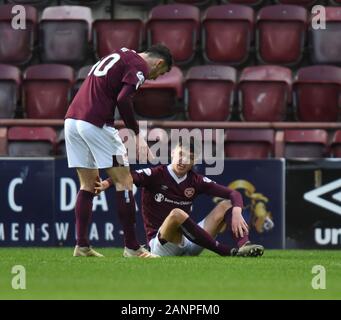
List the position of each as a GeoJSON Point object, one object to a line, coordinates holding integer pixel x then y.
{"type": "Point", "coordinates": [174, 176]}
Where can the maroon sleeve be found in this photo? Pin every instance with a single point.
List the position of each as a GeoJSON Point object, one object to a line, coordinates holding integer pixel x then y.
{"type": "Point", "coordinates": [144, 177]}
{"type": "Point", "coordinates": [217, 190]}
{"type": "Point", "coordinates": [125, 107]}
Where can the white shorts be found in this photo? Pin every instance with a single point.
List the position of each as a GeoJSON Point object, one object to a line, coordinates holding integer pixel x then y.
{"type": "Point", "coordinates": [186, 248]}
{"type": "Point", "coordinates": [88, 146]}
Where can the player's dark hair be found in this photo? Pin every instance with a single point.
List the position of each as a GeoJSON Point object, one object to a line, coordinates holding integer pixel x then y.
{"type": "Point", "coordinates": [162, 52]}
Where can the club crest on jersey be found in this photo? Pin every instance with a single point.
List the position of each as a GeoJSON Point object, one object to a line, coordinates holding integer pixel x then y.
{"type": "Point", "coordinates": [159, 197]}
{"type": "Point", "coordinates": [189, 192]}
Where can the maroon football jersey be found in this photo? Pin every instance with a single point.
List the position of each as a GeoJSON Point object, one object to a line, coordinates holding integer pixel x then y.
{"type": "Point", "coordinates": [96, 100]}
{"type": "Point", "coordinates": [163, 191]}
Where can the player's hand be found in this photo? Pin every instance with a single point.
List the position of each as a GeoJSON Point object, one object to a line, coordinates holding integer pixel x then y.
{"type": "Point", "coordinates": [101, 185]}
{"type": "Point", "coordinates": [239, 226]}
{"type": "Point", "coordinates": [143, 151]}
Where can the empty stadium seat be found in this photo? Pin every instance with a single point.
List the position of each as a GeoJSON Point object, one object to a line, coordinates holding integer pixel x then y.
{"type": "Point", "coordinates": [17, 45]}
{"type": "Point", "coordinates": [227, 32]}
{"type": "Point", "coordinates": [317, 93]}
{"type": "Point", "coordinates": [110, 35]}
{"type": "Point", "coordinates": [249, 143]}
{"type": "Point", "coordinates": [325, 44]}
{"type": "Point", "coordinates": [65, 34]}
{"type": "Point", "coordinates": [158, 98]}
{"type": "Point", "coordinates": [31, 141]}
{"type": "Point", "coordinates": [281, 31]}
{"type": "Point", "coordinates": [305, 143]}
{"type": "Point", "coordinates": [176, 26]}
{"type": "Point", "coordinates": [336, 145]}
{"type": "Point", "coordinates": [264, 93]}
{"type": "Point", "coordinates": [47, 90]}
{"type": "Point", "coordinates": [209, 92]}
{"type": "Point", "coordinates": [10, 80]}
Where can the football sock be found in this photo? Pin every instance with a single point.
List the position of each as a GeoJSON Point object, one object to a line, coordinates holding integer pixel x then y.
{"type": "Point", "coordinates": [240, 241]}
{"type": "Point", "coordinates": [126, 214]}
{"type": "Point", "coordinates": [201, 237]}
{"type": "Point", "coordinates": [83, 212]}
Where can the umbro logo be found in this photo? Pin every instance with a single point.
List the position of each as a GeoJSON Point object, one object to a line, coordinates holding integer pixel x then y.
{"type": "Point", "coordinates": [327, 196]}
{"type": "Point", "coordinates": [163, 187]}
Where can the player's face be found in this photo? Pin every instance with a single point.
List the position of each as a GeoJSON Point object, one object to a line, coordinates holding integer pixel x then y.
{"type": "Point", "coordinates": [182, 161]}
{"type": "Point", "coordinates": [158, 68]}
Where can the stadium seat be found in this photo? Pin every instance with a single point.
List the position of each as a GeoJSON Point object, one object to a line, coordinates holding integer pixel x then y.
{"type": "Point", "coordinates": [325, 44]}
{"type": "Point", "coordinates": [47, 90]}
{"type": "Point", "coordinates": [110, 35]}
{"type": "Point", "coordinates": [81, 75]}
{"type": "Point", "coordinates": [31, 141]}
{"type": "Point", "coordinates": [17, 46]}
{"type": "Point", "coordinates": [10, 81]}
{"type": "Point", "coordinates": [176, 26]}
{"type": "Point", "coordinates": [3, 141]}
{"type": "Point", "coordinates": [65, 34]}
{"type": "Point", "coordinates": [336, 145]}
{"type": "Point", "coordinates": [305, 143]}
{"type": "Point", "coordinates": [317, 93]}
{"type": "Point", "coordinates": [227, 32]}
{"type": "Point", "coordinates": [159, 98]}
{"type": "Point", "coordinates": [302, 3]}
{"type": "Point", "coordinates": [209, 92]}
{"type": "Point", "coordinates": [249, 143]}
{"type": "Point", "coordinates": [264, 93]}
{"type": "Point", "coordinates": [281, 31]}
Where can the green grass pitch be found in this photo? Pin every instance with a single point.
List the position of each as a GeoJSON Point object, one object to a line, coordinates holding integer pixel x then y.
{"type": "Point", "coordinates": [52, 273]}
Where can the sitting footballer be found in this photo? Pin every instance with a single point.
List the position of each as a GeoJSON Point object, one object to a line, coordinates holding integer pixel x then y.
{"type": "Point", "coordinates": [168, 192]}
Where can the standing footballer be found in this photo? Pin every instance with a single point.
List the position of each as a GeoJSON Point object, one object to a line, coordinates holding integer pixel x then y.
{"type": "Point", "coordinates": [93, 143]}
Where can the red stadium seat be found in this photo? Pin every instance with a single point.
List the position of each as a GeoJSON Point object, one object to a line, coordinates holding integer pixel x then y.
{"type": "Point", "coordinates": [317, 92]}
{"type": "Point", "coordinates": [176, 26]}
{"type": "Point", "coordinates": [336, 145]}
{"type": "Point", "coordinates": [47, 90]}
{"type": "Point", "coordinates": [31, 141]}
{"type": "Point", "coordinates": [10, 81]}
{"type": "Point", "coordinates": [264, 93]}
{"type": "Point", "coordinates": [249, 143]}
{"type": "Point", "coordinates": [158, 98]}
{"type": "Point", "coordinates": [65, 34]}
{"type": "Point", "coordinates": [227, 32]}
{"type": "Point", "coordinates": [325, 44]}
{"type": "Point", "coordinates": [305, 143]}
{"type": "Point", "coordinates": [110, 35]}
{"type": "Point", "coordinates": [281, 33]}
{"type": "Point", "coordinates": [209, 92]}
{"type": "Point", "coordinates": [302, 3]}
{"type": "Point", "coordinates": [16, 46]}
